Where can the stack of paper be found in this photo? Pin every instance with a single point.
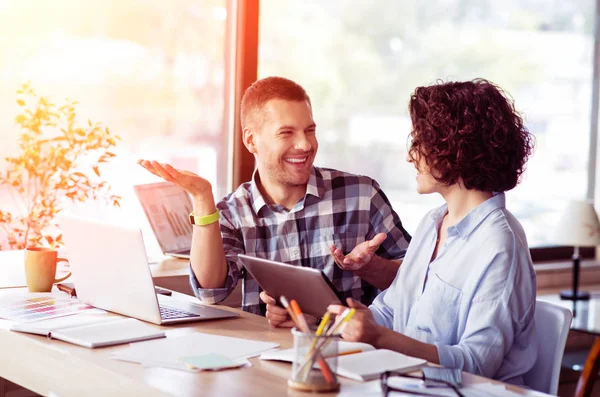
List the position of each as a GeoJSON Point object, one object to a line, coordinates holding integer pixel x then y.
{"type": "Point", "coordinates": [172, 352]}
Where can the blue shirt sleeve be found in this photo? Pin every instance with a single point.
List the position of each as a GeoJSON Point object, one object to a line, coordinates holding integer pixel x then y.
{"type": "Point", "coordinates": [382, 312]}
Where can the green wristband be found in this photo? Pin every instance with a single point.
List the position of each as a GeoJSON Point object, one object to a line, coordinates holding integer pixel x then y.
{"type": "Point", "coordinates": [204, 220]}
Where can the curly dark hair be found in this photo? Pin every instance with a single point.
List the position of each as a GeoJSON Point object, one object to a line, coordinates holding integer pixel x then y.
{"type": "Point", "coordinates": [469, 131]}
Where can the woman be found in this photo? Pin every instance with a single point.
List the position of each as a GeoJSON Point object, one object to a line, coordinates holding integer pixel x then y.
{"type": "Point", "coordinates": [464, 296]}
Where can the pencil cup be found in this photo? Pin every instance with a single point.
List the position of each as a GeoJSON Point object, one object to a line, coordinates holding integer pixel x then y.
{"type": "Point", "coordinates": [315, 363]}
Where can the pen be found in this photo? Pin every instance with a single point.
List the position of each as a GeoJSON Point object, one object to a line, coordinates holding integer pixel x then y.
{"type": "Point", "coordinates": [287, 307]}
{"type": "Point", "coordinates": [340, 322]}
{"type": "Point", "coordinates": [323, 324]}
{"type": "Point", "coordinates": [345, 353]}
{"type": "Point", "coordinates": [344, 322]}
{"type": "Point", "coordinates": [299, 316]}
{"type": "Point", "coordinates": [319, 332]}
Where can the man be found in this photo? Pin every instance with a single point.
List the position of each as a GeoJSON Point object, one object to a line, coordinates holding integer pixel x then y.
{"type": "Point", "coordinates": [290, 212]}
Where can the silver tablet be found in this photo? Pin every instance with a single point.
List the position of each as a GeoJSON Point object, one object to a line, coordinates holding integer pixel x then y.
{"type": "Point", "coordinates": [309, 287]}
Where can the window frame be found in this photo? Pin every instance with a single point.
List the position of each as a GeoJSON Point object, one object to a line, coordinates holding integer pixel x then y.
{"type": "Point", "coordinates": [241, 61]}
{"type": "Point", "coordinates": [246, 66]}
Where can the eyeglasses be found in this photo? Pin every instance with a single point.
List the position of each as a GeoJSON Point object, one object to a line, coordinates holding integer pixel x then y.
{"type": "Point", "coordinates": [386, 389]}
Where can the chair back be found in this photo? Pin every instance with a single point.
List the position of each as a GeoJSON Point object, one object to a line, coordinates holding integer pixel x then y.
{"type": "Point", "coordinates": [552, 323]}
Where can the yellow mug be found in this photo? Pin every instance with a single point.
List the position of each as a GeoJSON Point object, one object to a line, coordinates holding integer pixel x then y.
{"type": "Point", "coordinates": [40, 268]}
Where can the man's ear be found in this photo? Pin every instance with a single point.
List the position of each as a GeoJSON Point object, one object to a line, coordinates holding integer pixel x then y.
{"type": "Point", "coordinates": [249, 138]}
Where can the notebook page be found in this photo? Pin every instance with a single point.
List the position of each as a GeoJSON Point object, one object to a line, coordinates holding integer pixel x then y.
{"type": "Point", "coordinates": [368, 365]}
{"type": "Point", "coordinates": [106, 333]}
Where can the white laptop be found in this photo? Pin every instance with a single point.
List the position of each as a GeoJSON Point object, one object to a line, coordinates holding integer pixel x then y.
{"type": "Point", "coordinates": [167, 208]}
{"type": "Point", "coordinates": [111, 272]}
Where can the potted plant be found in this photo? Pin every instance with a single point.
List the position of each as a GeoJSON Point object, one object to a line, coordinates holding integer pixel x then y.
{"type": "Point", "coordinates": [59, 161]}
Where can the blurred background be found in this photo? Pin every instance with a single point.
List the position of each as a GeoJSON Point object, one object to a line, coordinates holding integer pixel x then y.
{"type": "Point", "coordinates": [155, 72]}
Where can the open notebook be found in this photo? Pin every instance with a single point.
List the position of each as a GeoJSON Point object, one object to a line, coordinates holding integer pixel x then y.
{"type": "Point", "coordinates": [92, 330]}
{"type": "Point", "coordinates": [359, 361]}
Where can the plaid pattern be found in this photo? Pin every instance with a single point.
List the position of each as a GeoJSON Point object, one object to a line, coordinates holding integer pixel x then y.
{"type": "Point", "coordinates": [338, 208]}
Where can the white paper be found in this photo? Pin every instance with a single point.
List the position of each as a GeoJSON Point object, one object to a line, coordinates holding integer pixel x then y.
{"type": "Point", "coordinates": [168, 352]}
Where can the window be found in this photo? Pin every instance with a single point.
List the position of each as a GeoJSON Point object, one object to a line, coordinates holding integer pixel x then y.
{"type": "Point", "coordinates": [152, 71]}
{"type": "Point", "coordinates": [360, 61]}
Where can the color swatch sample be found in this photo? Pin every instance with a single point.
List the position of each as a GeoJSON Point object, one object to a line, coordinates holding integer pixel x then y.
{"type": "Point", "coordinates": [39, 306]}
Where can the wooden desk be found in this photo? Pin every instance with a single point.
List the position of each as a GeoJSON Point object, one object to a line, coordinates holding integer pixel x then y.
{"type": "Point", "coordinates": [45, 366]}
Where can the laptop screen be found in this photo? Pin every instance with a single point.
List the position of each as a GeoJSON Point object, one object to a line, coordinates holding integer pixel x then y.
{"type": "Point", "coordinates": [167, 208]}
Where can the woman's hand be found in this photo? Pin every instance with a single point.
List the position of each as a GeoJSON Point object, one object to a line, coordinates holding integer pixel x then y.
{"type": "Point", "coordinates": [362, 327]}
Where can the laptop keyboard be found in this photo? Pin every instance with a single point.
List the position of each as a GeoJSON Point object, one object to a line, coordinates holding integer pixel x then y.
{"type": "Point", "coordinates": [168, 313]}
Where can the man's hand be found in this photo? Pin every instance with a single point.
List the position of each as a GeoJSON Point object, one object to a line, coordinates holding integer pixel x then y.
{"type": "Point", "coordinates": [194, 184]}
{"type": "Point", "coordinates": [278, 316]}
{"type": "Point", "coordinates": [360, 256]}
{"type": "Point", "coordinates": [362, 327]}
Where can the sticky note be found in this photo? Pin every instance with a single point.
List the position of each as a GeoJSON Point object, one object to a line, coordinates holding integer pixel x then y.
{"type": "Point", "coordinates": [211, 361]}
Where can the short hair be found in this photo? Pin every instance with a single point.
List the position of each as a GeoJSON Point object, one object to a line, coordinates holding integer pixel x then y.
{"type": "Point", "coordinates": [469, 131]}
{"type": "Point", "coordinates": [263, 90]}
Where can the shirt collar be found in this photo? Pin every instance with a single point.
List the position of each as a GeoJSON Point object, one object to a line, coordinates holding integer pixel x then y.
{"type": "Point", "coordinates": [315, 187]}
{"type": "Point", "coordinates": [258, 201]}
{"type": "Point", "coordinates": [469, 223]}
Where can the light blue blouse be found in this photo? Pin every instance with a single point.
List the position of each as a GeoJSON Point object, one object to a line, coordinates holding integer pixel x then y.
{"type": "Point", "coordinates": [477, 302]}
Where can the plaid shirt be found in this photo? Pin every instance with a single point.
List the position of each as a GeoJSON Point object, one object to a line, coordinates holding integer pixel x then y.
{"type": "Point", "coordinates": [338, 208]}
